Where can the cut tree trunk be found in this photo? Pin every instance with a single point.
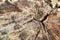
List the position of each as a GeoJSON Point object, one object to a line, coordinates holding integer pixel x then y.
{"type": "Point", "coordinates": [29, 20]}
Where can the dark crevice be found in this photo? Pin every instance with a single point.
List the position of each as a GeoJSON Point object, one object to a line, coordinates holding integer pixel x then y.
{"type": "Point", "coordinates": [45, 29]}
{"type": "Point", "coordinates": [43, 26]}
{"type": "Point", "coordinates": [14, 21]}
{"type": "Point", "coordinates": [49, 2]}
{"type": "Point", "coordinates": [45, 17]}
{"type": "Point", "coordinates": [28, 22]}
{"type": "Point", "coordinates": [37, 34]}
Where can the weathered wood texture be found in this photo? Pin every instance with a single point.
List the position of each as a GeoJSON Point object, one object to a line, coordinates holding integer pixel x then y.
{"type": "Point", "coordinates": [29, 20]}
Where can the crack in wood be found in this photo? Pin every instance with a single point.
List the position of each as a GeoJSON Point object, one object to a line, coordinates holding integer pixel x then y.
{"type": "Point", "coordinates": [43, 25]}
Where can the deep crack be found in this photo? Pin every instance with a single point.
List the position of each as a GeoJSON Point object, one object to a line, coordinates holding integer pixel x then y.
{"type": "Point", "coordinates": [37, 34]}
{"type": "Point", "coordinates": [45, 17]}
